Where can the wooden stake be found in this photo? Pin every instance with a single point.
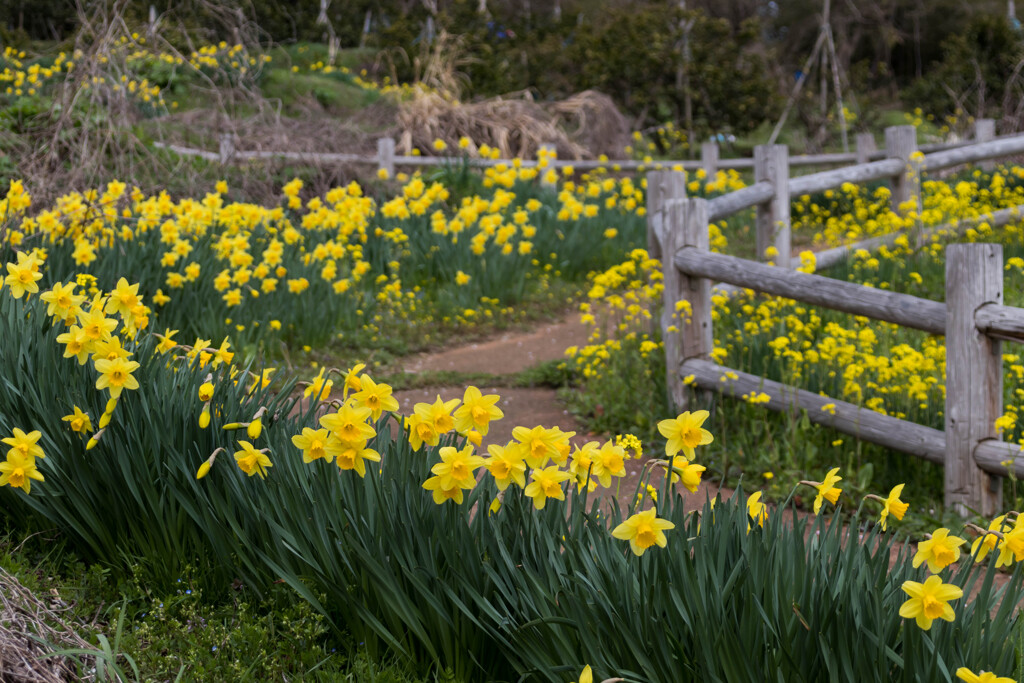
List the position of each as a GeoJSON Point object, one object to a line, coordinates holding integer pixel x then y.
{"type": "Point", "coordinates": [900, 143]}
{"type": "Point", "coordinates": [984, 131]}
{"type": "Point", "coordinates": [709, 158]}
{"type": "Point", "coordinates": [386, 155]}
{"type": "Point", "coordinates": [687, 226]}
{"type": "Point", "coordinates": [974, 376]}
{"type": "Point", "coordinates": [771, 164]}
{"type": "Point", "coordinates": [865, 146]}
{"type": "Point", "coordinates": [661, 185]}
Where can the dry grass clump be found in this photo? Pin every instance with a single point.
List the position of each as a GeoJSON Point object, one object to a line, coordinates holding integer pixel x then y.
{"type": "Point", "coordinates": [580, 127]}
{"type": "Point", "coordinates": [30, 632]}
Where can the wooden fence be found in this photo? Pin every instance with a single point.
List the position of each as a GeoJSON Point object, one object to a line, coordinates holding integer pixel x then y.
{"type": "Point", "coordinates": [710, 160]}
{"type": "Point", "coordinates": [973, 318]}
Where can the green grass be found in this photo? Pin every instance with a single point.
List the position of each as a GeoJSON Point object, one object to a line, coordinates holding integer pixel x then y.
{"type": "Point", "coordinates": [186, 634]}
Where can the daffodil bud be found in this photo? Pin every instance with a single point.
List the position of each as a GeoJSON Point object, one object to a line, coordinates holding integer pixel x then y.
{"type": "Point", "coordinates": [233, 425]}
{"type": "Point", "coordinates": [111, 405]}
{"type": "Point", "coordinates": [204, 469]}
{"type": "Point", "coordinates": [254, 429]}
{"type": "Point", "coordinates": [105, 419]}
{"type": "Point", "coordinates": [94, 440]}
{"type": "Point", "coordinates": [204, 417]}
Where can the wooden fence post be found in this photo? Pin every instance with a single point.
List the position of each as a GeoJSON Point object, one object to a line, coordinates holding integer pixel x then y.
{"type": "Point", "coordinates": [686, 226]}
{"type": "Point", "coordinates": [709, 158]}
{"type": "Point", "coordinates": [771, 164]}
{"type": "Point", "coordinates": [974, 376]}
{"type": "Point", "coordinates": [227, 148]}
{"type": "Point", "coordinates": [661, 185]}
{"type": "Point", "coordinates": [386, 155]}
{"type": "Point", "coordinates": [900, 143]}
{"type": "Point", "coordinates": [865, 146]}
{"type": "Point", "coordinates": [985, 130]}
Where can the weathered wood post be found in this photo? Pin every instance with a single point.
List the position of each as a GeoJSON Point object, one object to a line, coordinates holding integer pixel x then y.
{"type": "Point", "coordinates": [984, 131]}
{"type": "Point", "coordinates": [661, 185]}
{"type": "Point", "coordinates": [686, 226]}
{"type": "Point", "coordinates": [546, 153]}
{"type": "Point", "coordinates": [709, 158]}
{"type": "Point", "coordinates": [226, 149]}
{"type": "Point", "coordinates": [865, 146]}
{"type": "Point", "coordinates": [901, 143]}
{"type": "Point", "coordinates": [974, 376]}
{"type": "Point", "coordinates": [386, 155]}
{"type": "Point", "coordinates": [771, 164]}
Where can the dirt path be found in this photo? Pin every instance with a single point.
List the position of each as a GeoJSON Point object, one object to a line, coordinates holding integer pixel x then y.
{"type": "Point", "coordinates": [513, 352]}
{"type": "Point", "coordinates": [508, 353]}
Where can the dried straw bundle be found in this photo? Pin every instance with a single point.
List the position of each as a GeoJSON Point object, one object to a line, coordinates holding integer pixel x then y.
{"type": "Point", "coordinates": [581, 127]}
{"type": "Point", "coordinates": [30, 631]}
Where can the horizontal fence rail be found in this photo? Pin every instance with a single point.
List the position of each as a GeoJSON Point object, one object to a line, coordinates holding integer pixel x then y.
{"type": "Point", "coordinates": [848, 418]}
{"type": "Point", "coordinates": [710, 160]}
{"type": "Point", "coordinates": [973, 318]}
{"type": "Point", "coordinates": [848, 297]}
{"type": "Point", "coordinates": [1006, 322]}
{"type": "Point", "coordinates": [826, 180]}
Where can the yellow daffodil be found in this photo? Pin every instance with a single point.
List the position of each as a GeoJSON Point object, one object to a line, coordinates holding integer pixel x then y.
{"type": "Point", "coordinates": [421, 431]}
{"type": "Point", "coordinates": [348, 423]}
{"type": "Point", "coordinates": [940, 551]}
{"type": "Point", "coordinates": [893, 505]}
{"type": "Point", "coordinates": [252, 461]}
{"type": "Point", "coordinates": [968, 676]}
{"type": "Point", "coordinates": [538, 444]}
{"type": "Point", "coordinates": [18, 471]}
{"type": "Point", "coordinates": [319, 387]}
{"type": "Point", "coordinates": [22, 277]}
{"type": "Point", "coordinates": [986, 543]}
{"type": "Point", "coordinates": [458, 466]}
{"type": "Point", "coordinates": [929, 601]}
{"type": "Point", "coordinates": [547, 483]}
{"type": "Point", "coordinates": [316, 444]}
{"type": "Point", "coordinates": [376, 397]}
{"type": "Point", "coordinates": [1011, 546]}
{"type": "Point", "coordinates": [477, 412]}
{"type": "Point", "coordinates": [756, 510]}
{"type": "Point", "coordinates": [78, 420]}
{"type": "Point", "coordinates": [353, 456]}
{"type": "Point", "coordinates": [643, 530]}
{"type": "Point", "coordinates": [438, 414]}
{"type": "Point", "coordinates": [24, 445]}
{"type": "Point", "coordinates": [685, 433]}
{"type": "Point", "coordinates": [609, 461]}
{"type": "Point", "coordinates": [506, 465]}
{"type": "Point", "coordinates": [827, 489]}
